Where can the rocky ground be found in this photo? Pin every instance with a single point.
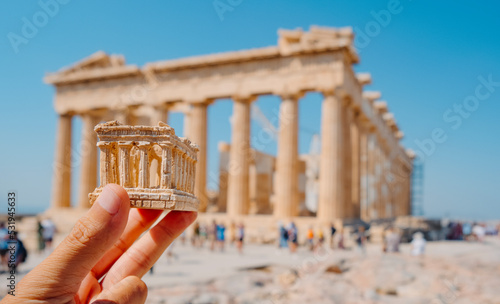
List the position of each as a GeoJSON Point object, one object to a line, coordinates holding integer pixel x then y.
{"type": "Point", "coordinates": [451, 272]}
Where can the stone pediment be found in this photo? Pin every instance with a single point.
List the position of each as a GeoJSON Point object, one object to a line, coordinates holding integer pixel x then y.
{"type": "Point", "coordinates": [98, 65]}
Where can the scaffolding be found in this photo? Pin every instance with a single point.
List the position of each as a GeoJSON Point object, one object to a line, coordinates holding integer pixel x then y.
{"type": "Point", "coordinates": [417, 188]}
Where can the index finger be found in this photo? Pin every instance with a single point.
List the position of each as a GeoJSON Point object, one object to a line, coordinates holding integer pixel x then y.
{"type": "Point", "coordinates": [142, 255]}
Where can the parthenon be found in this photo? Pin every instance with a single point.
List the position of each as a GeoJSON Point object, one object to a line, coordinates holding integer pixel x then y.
{"type": "Point", "coordinates": [365, 173]}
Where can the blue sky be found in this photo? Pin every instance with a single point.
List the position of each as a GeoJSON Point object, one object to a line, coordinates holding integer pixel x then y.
{"type": "Point", "coordinates": [426, 58]}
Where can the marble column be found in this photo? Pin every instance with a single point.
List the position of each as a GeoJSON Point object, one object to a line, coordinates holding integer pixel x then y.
{"type": "Point", "coordinates": [88, 155]}
{"type": "Point", "coordinates": [331, 187]}
{"type": "Point", "coordinates": [347, 154]}
{"type": "Point", "coordinates": [106, 163]}
{"type": "Point", "coordinates": [61, 191]}
{"type": "Point", "coordinates": [363, 172]}
{"type": "Point", "coordinates": [355, 167]}
{"type": "Point", "coordinates": [198, 134]}
{"type": "Point", "coordinates": [126, 116]}
{"type": "Point", "coordinates": [287, 178]}
{"type": "Point", "coordinates": [378, 180]}
{"type": "Point", "coordinates": [143, 164]}
{"type": "Point", "coordinates": [238, 179]}
{"type": "Point", "coordinates": [224, 151]}
{"type": "Point", "coordinates": [173, 169]}
{"type": "Point", "coordinates": [372, 177]}
{"type": "Point", "coordinates": [159, 113]}
{"type": "Point", "coordinates": [124, 164]}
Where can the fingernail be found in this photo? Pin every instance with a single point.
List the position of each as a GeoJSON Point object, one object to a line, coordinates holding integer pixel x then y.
{"type": "Point", "coordinates": [109, 201]}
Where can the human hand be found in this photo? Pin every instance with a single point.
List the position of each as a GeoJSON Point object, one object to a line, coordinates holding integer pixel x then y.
{"type": "Point", "coordinates": [99, 259]}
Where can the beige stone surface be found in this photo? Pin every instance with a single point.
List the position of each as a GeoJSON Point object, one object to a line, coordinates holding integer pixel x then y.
{"type": "Point", "coordinates": [126, 155]}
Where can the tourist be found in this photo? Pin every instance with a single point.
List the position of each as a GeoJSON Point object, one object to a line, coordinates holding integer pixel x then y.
{"type": "Point", "coordinates": [221, 231]}
{"type": "Point", "coordinates": [212, 235]}
{"type": "Point", "coordinates": [203, 234]}
{"type": "Point", "coordinates": [41, 241]}
{"type": "Point", "coordinates": [283, 236]}
{"type": "Point", "coordinates": [332, 235]}
{"type": "Point", "coordinates": [392, 240]}
{"type": "Point", "coordinates": [310, 238]}
{"type": "Point", "coordinates": [4, 246]}
{"type": "Point", "coordinates": [195, 239]}
{"type": "Point", "coordinates": [232, 233]}
{"type": "Point", "coordinates": [467, 231]}
{"type": "Point", "coordinates": [182, 238]}
{"type": "Point", "coordinates": [340, 239]}
{"type": "Point", "coordinates": [479, 232]}
{"type": "Point", "coordinates": [49, 229]}
{"type": "Point", "coordinates": [321, 239]}
{"type": "Point", "coordinates": [292, 237]}
{"type": "Point", "coordinates": [20, 255]}
{"type": "Point", "coordinates": [361, 239]}
{"type": "Point", "coordinates": [418, 244]}
{"type": "Point", "coordinates": [240, 237]}
{"type": "Point", "coordinates": [90, 266]}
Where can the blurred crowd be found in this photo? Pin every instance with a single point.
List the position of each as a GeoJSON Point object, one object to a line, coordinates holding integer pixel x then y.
{"type": "Point", "coordinates": [13, 252]}
{"type": "Point", "coordinates": [469, 231]}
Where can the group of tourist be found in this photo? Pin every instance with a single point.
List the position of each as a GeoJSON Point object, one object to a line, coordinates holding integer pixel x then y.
{"type": "Point", "coordinates": [466, 231]}
{"type": "Point", "coordinates": [215, 234]}
{"type": "Point", "coordinates": [315, 239]}
{"type": "Point", "coordinates": [12, 249]}
{"type": "Point", "coordinates": [288, 236]}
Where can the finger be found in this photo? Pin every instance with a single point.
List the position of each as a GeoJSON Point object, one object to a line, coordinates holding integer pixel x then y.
{"type": "Point", "coordinates": [142, 255]}
{"type": "Point", "coordinates": [130, 290]}
{"type": "Point", "coordinates": [139, 220]}
{"type": "Point", "coordinates": [91, 237]}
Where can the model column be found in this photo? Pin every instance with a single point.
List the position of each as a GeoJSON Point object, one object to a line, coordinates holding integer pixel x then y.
{"type": "Point", "coordinates": [238, 182]}
{"type": "Point", "coordinates": [143, 164]}
{"type": "Point", "coordinates": [166, 165]}
{"type": "Point", "coordinates": [106, 163]}
{"type": "Point", "coordinates": [124, 165]}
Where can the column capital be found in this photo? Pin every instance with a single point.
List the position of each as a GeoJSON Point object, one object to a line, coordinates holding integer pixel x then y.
{"type": "Point", "coordinates": [199, 102]}
{"type": "Point", "coordinates": [143, 144]}
{"type": "Point", "coordinates": [125, 143]}
{"type": "Point", "coordinates": [105, 144]}
{"type": "Point", "coordinates": [289, 93]}
{"type": "Point", "coordinates": [96, 113]}
{"type": "Point", "coordinates": [244, 98]}
{"type": "Point", "coordinates": [337, 92]}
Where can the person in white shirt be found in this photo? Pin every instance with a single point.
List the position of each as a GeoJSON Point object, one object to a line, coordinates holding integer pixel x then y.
{"type": "Point", "coordinates": [418, 244]}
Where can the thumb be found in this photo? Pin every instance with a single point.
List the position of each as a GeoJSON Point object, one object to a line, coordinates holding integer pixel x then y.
{"type": "Point", "coordinates": [91, 237]}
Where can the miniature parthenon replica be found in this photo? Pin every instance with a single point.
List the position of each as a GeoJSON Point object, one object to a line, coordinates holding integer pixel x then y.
{"type": "Point", "coordinates": [130, 155]}
{"type": "Point", "coordinates": [364, 170]}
